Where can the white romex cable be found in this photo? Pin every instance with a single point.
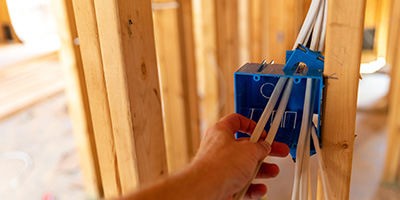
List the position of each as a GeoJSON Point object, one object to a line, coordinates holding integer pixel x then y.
{"type": "Point", "coordinates": [255, 136]}
{"type": "Point", "coordinates": [308, 22]}
{"type": "Point", "coordinates": [301, 183]}
{"type": "Point", "coordinates": [272, 131]}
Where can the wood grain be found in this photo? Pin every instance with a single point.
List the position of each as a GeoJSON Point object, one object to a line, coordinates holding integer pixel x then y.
{"type": "Point", "coordinates": [78, 103]}
{"type": "Point", "coordinates": [96, 87]}
{"type": "Point", "coordinates": [227, 51]}
{"type": "Point", "coordinates": [207, 70]}
{"type": "Point", "coordinates": [392, 164]}
{"type": "Point", "coordinates": [131, 74]}
{"type": "Point", "coordinates": [189, 72]}
{"type": "Point", "coordinates": [170, 60]}
{"type": "Point", "coordinates": [342, 58]}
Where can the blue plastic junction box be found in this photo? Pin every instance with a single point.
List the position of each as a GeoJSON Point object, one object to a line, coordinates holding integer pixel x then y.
{"type": "Point", "coordinates": [255, 82]}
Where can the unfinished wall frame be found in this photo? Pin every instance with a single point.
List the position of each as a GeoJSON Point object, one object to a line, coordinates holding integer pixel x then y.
{"type": "Point", "coordinates": [125, 77]}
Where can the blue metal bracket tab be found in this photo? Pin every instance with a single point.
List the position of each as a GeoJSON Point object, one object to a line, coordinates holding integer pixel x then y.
{"type": "Point", "coordinates": [255, 82]}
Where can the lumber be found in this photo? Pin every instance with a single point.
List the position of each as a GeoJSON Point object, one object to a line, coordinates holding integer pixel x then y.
{"type": "Point", "coordinates": [86, 23]}
{"type": "Point", "coordinates": [342, 60]}
{"type": "Point", "coordinates": [255, 23]}
{"type": "Point", "coordinates": [394, 30]}
{"type": "Point", "coordinates": [244, 40]}
{"type": "Point", "coordinates": [78, 104]}
{"type": "Point", "coordinates": [371, 14]}
{"type": "Point", "coordinates": [226, 16]}
{"type": "Point", "coordinates": [130, 68]}
{"type": "Point", "coordinates": [392, 164]}
{"type": "Point", "coordinates": [5, 21]}
{"type": "Point", "coordinates": [282, 19]}
{"type": "Point", "coordinates": [189, 76]}
{"type": "Point", "coordinates": [171, 64]}
{"type": "Point", "coordinates": [207, 70]}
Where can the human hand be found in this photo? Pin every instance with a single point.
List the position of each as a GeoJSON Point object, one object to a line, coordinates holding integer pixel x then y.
{"type": "Point", "coordinates": [233, 161]}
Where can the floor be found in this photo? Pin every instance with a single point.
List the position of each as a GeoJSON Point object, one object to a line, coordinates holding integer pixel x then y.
{"type": "Point", "coordinates": [28, 82]}
{"type": "Point", "coordinates": [38, 159]}
{"type": "Point", "coordinates": [37, 145]}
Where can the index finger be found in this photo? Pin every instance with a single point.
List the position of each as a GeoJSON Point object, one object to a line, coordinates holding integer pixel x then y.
{"type": "Point", "coordinates": [236, 122]}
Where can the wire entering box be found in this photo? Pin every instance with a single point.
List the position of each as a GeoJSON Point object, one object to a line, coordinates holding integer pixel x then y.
{"type": "Point", "coordinates": [255, 82]}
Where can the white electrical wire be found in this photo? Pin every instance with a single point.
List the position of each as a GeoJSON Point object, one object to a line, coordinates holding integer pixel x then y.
{"type": "Point", "coordinates": [323, 31]}
{"type": "Point", "coordinates": [318, 27]}
{"type": "Point", "coordinates": [268, 110]}
{"type": "Point", "coordinates": [308, 22]}
{"type": "Point", "coordinates": [316, 20]}
{"type": "Point", "coordinates": [302, 138]}
{"type": "Point", "coordinates": [321, 164]}
{"type": "Point", "coordinates": [272, 131]}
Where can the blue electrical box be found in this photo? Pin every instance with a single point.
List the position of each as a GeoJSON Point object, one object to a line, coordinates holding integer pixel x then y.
{"type": "Point", "coordinates": [255, 82]}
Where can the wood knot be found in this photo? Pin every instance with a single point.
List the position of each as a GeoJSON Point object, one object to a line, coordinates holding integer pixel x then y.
{"type": "Point", "coordinates": [345, 146]}
{"type": "Point", "coordinates": [130, 22]}
{"type": "Point", "coordinates": [162, 172]}
{"type": "Point", "coordinates": [144, 69]}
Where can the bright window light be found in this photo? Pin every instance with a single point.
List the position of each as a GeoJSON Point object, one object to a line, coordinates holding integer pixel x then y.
{"type": "Point", "coordinates": [372, 67]}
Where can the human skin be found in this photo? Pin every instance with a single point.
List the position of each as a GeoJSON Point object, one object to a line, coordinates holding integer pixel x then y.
{"type": "Point", "coordinates": [222, 167]}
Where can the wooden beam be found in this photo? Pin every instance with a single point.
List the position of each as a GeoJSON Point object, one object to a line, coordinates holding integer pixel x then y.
{"type": "Point", "coordinates": [371, 13]}
{"type": "Point", "coordinates": [255, 23]}
{"type": "Point", "coordinates": [77, 97]}
{"type": "Point", "coordinates": [392, 164]}
{"type": "Point", "coordinates": [394, 30]}
{"type": "Point", "coordinates": [5, 21]}
{"type": "Point", "coordinates": [244, 11]}
{"type": "Point", "coordinates": [226, 13]}
{"type": "Point", "coordinates": [284, 20]}
{"type": "Point", "coordinates": [342, 60]}
{"type": "Point", "coordinates": [130, 68]}
{"type": "Point", "coordinates": [206, 61]}
{"type": "Point", "coordinates": [171, 64]}
{"type": "Point", "coordinates": [189, 76]}
{"type": "Point", "coordinates": [96, 87]}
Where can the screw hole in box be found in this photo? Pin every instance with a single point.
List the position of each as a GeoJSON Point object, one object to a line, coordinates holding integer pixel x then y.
{"type": "Point", "coordinates": [256, 78]}
{"type": "Point", "coordinates": [296, 80]}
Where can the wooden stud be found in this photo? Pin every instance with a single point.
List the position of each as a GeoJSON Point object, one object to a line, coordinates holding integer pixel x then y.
{"type": "Point", "coordinates": [342, 60]}
{"type": "Point", "coordinates": [208, 72]}
{"type": "Point", "coordinates": [176, 64]}
{"type": "Point", "coordinates": [96, 87]}
{"type": "Point", "coordinates": [371, 13]}
{"type": "Point", "coordinates": [394, 30]}
{"type": "Point", "coordinates": [255, 23]}
{"type": "Point", "coordinates": [283, 27]}
{"type": "Point", "coordinates": [189, 76]}
{"type": "Point", "coordinates": [5, 20]}
{"type": "Point", "coordinates": [130, 68]}
{"type": "Point", "coordinates": [244, 21]}
{"type": "Point", "coordinates": [392, 165]}
{"type": "Point", "coordinates": [227, 51]}
{"type": "Point", "coordinates": [78, 104]}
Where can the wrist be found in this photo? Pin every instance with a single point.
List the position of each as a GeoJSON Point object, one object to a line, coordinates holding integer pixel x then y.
{"type": "Point", "coordinates": [209, 177]}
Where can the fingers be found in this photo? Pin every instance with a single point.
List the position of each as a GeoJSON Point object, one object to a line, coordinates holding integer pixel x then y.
{"type": "Point", "coordinates": [263, 149]}
{"type": "Point", "coordinates": [255, 191]}
{"type": "Point", "coordinates": [279, 149]}
{"type": "Point", "coordinates": [236, 122]}
{"type": "Point", "coordinates": [268, 170]}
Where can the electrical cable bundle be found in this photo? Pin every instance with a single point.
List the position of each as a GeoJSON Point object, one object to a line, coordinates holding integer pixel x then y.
{"type": "Point", "coordinates": [314, 28]}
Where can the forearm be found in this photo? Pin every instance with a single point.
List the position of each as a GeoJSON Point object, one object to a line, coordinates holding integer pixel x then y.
{"type": "Point", "coordinates": [195, 182]}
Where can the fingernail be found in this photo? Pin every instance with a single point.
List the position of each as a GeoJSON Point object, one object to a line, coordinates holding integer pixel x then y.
{"type": "Point", "coordinates": [266, 145]}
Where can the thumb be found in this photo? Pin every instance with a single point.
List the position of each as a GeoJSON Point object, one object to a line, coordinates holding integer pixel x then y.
{"type": "Point", "coordinates": [264, 148]}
